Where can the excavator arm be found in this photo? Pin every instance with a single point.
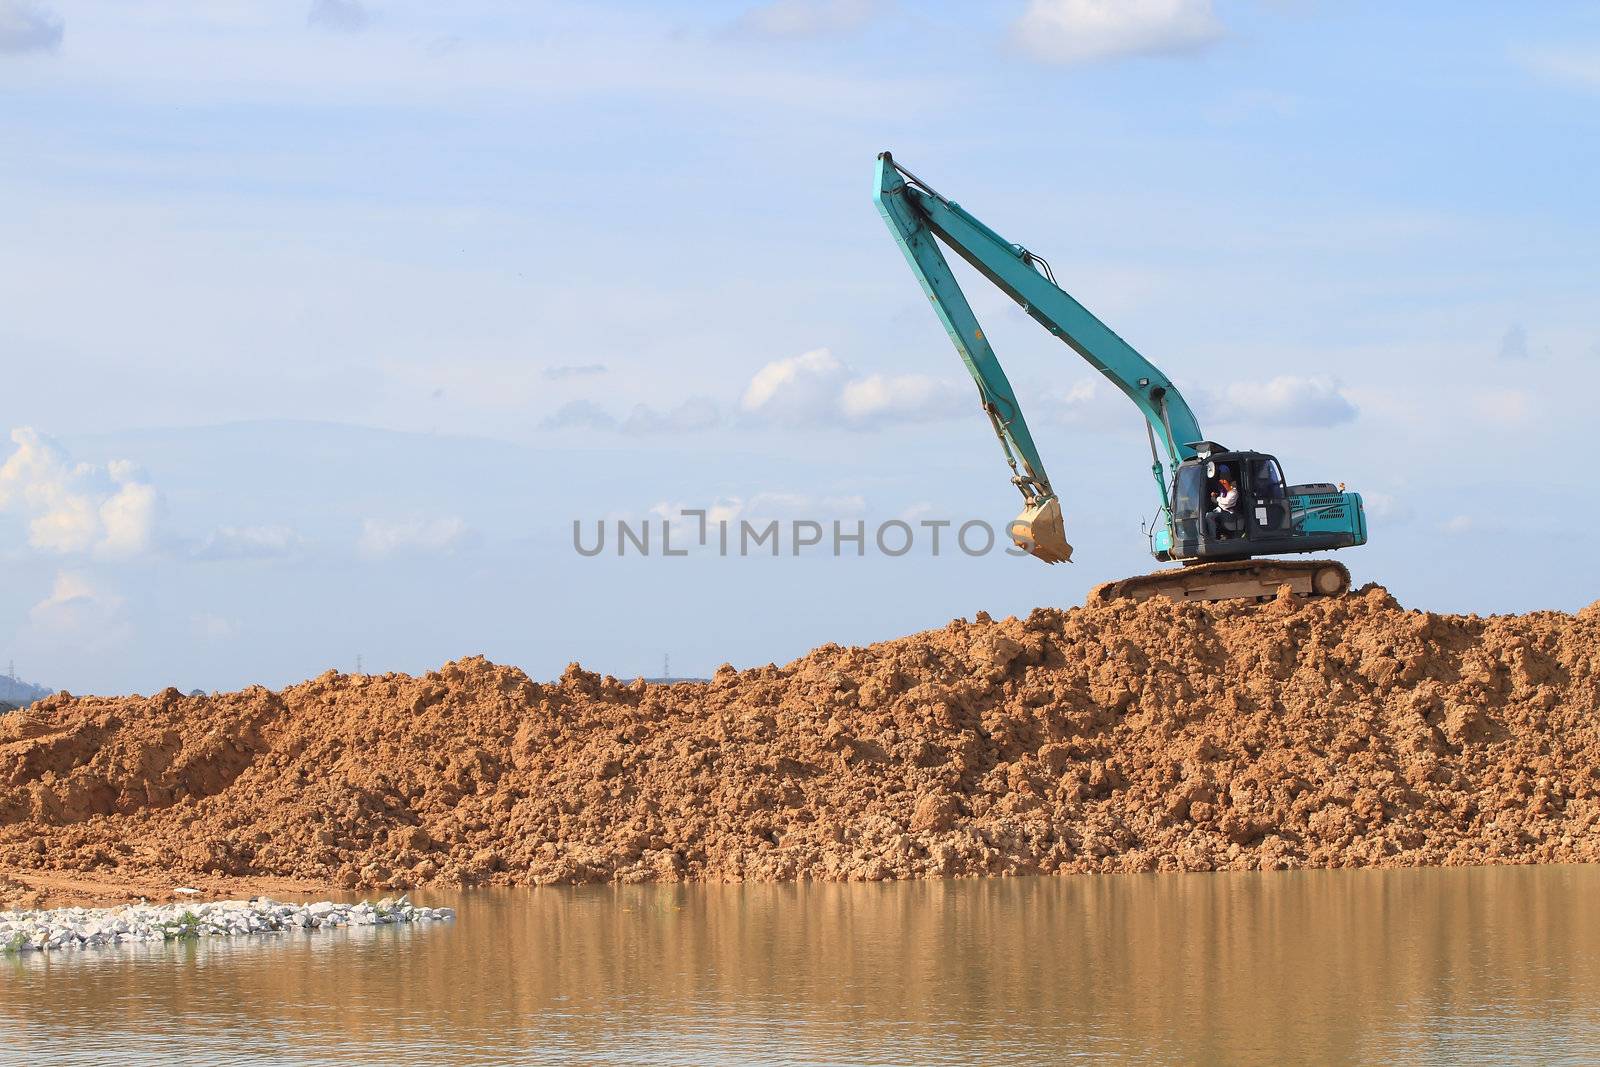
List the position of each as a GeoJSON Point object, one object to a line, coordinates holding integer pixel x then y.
{"type": "Point", "coordinates": [916, 215]}
{"type": "Point", "coordinates": [916, 239]}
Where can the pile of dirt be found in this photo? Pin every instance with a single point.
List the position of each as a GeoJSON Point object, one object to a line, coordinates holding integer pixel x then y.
{"type": "Point", "coordinates": [1125, 737]}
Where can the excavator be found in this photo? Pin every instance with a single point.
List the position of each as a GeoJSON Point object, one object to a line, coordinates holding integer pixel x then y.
{"type": "Point", "coordinates": [1224, 553]}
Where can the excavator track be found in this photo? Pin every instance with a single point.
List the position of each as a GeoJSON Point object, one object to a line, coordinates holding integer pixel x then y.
{"type": "Point", "coordinates": [1245, 579]}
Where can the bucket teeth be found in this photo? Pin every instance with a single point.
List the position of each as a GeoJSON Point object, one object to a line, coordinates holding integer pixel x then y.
{"type": "Point", "coordinates": [1040, 531]}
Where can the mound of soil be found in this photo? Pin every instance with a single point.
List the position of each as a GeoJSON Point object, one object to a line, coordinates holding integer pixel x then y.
{"type": "Point", "coordinates": [1124, 737]}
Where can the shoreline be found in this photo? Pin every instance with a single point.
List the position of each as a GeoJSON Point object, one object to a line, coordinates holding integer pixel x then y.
{"type": "Point", "coordinates": [52, 891]}
{"type": "Point", "coordinates": [36, 889]}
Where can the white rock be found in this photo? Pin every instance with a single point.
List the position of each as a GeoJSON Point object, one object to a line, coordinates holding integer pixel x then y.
{"type": "Point", "coordinates": [68, 929]}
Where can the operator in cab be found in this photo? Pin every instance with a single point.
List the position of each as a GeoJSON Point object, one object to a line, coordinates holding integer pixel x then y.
{"type": "Point", "coordinates": [1225, 497]}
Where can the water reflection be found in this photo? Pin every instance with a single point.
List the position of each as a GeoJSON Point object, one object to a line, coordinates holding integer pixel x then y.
{"type": "Point", "coordinates": [1480, 965]}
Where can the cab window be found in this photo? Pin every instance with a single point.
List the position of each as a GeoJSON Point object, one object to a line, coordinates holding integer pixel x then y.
{"type": "Point", "coordinates": [1267, 480]}
{"type": "Point", "coordinates": [1190, 491]}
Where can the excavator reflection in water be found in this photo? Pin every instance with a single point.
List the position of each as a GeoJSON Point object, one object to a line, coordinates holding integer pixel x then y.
{"type": "Point", "coordinates": [1223, 558]}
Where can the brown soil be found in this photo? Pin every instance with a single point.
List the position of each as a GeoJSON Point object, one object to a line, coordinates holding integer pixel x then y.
{"type": "Point", "coordinates": [1123, 737]}
{"type": "Point", "coordinates": [108, 888]}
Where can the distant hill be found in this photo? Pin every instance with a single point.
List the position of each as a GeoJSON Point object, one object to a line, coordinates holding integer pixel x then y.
{"type": "Point", "coordinates": [15, 693]}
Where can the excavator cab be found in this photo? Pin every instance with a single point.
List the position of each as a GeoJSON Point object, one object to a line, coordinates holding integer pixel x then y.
{"type": "Point", "coordinates": [1271, 518]}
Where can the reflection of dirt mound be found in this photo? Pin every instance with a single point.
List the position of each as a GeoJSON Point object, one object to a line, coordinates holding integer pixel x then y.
{"type": "Point", "coordinates": [1123, 737]}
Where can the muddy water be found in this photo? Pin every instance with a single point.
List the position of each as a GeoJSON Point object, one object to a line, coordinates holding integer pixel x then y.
{"type": "Point", "coordinates": [1433, 966]}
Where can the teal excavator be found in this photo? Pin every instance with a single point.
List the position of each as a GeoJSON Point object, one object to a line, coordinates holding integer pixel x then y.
{"type": "Point", "coordinates": [1224, 552]}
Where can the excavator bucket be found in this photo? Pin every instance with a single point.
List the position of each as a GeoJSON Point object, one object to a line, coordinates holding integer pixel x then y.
{"type": "Point", "coordinates": [1040, 531]}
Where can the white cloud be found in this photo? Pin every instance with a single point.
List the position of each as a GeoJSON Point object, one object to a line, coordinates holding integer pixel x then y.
{"type": "Point", "coordinates": [248, 542]}
{"type": "Point", "coordinates": [343, 16]}
{"type": "Point", "coordinates": [1387, 508]}
{"type": "Point", "coordinates": [380, 537]}
{"type": "Point", "coordinates": [1077, 397]}
{"type": "Point", "coordinates": [1458, 524]}
{"type": "Point", "coordinates": [1089, 402]}
{"type": "Point", "coordinates": [1079, 31]}
{"type": "Point", "coordinates": [695, 413]}
{"type": "Point", "coordinates": [77, 507]}
{"type": "Point", "coordinates": [209, 627]}
{"type": "Point", "coordinates": [816, 388]}
{"type": "Point", "coordinates": [903, 398]}
{"type": "Point", "coordinates": [77, 609]}
{"type": "Point", "coordinates": [579, 415]}
{"type": "Point", "coordinates": [1285, 401]}
{"type": "Point", "coordinates": [799, 389]}
{"type": "Point", "coordinates": [128, 519]}
{"type": "Point", "coordinates": [28, 27]}
{"type": "Point", "coordinates": [808, 18]}
{"type": "Point", "coordinates": [1567, 66]}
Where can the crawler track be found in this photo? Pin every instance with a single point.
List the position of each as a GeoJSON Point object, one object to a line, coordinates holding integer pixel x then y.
{"type": "Point", "coordinates": [1246, 579]}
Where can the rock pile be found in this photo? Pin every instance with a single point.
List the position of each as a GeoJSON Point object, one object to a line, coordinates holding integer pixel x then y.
{"type": "Point", "coordinates": [76, 928]}
{"type": "Point", "coordinates": [1119, 737]}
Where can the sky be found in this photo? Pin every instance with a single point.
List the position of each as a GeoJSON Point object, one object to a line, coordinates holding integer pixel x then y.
{"type": "Point", "coordinates": [321, 324]}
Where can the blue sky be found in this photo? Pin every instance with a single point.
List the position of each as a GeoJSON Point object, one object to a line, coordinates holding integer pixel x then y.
{"type": "Point", "coordinates": [323, 321]}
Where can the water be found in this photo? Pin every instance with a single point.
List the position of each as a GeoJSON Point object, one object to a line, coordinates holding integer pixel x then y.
{"type": "Point", "coordinates": [1497, 965]}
